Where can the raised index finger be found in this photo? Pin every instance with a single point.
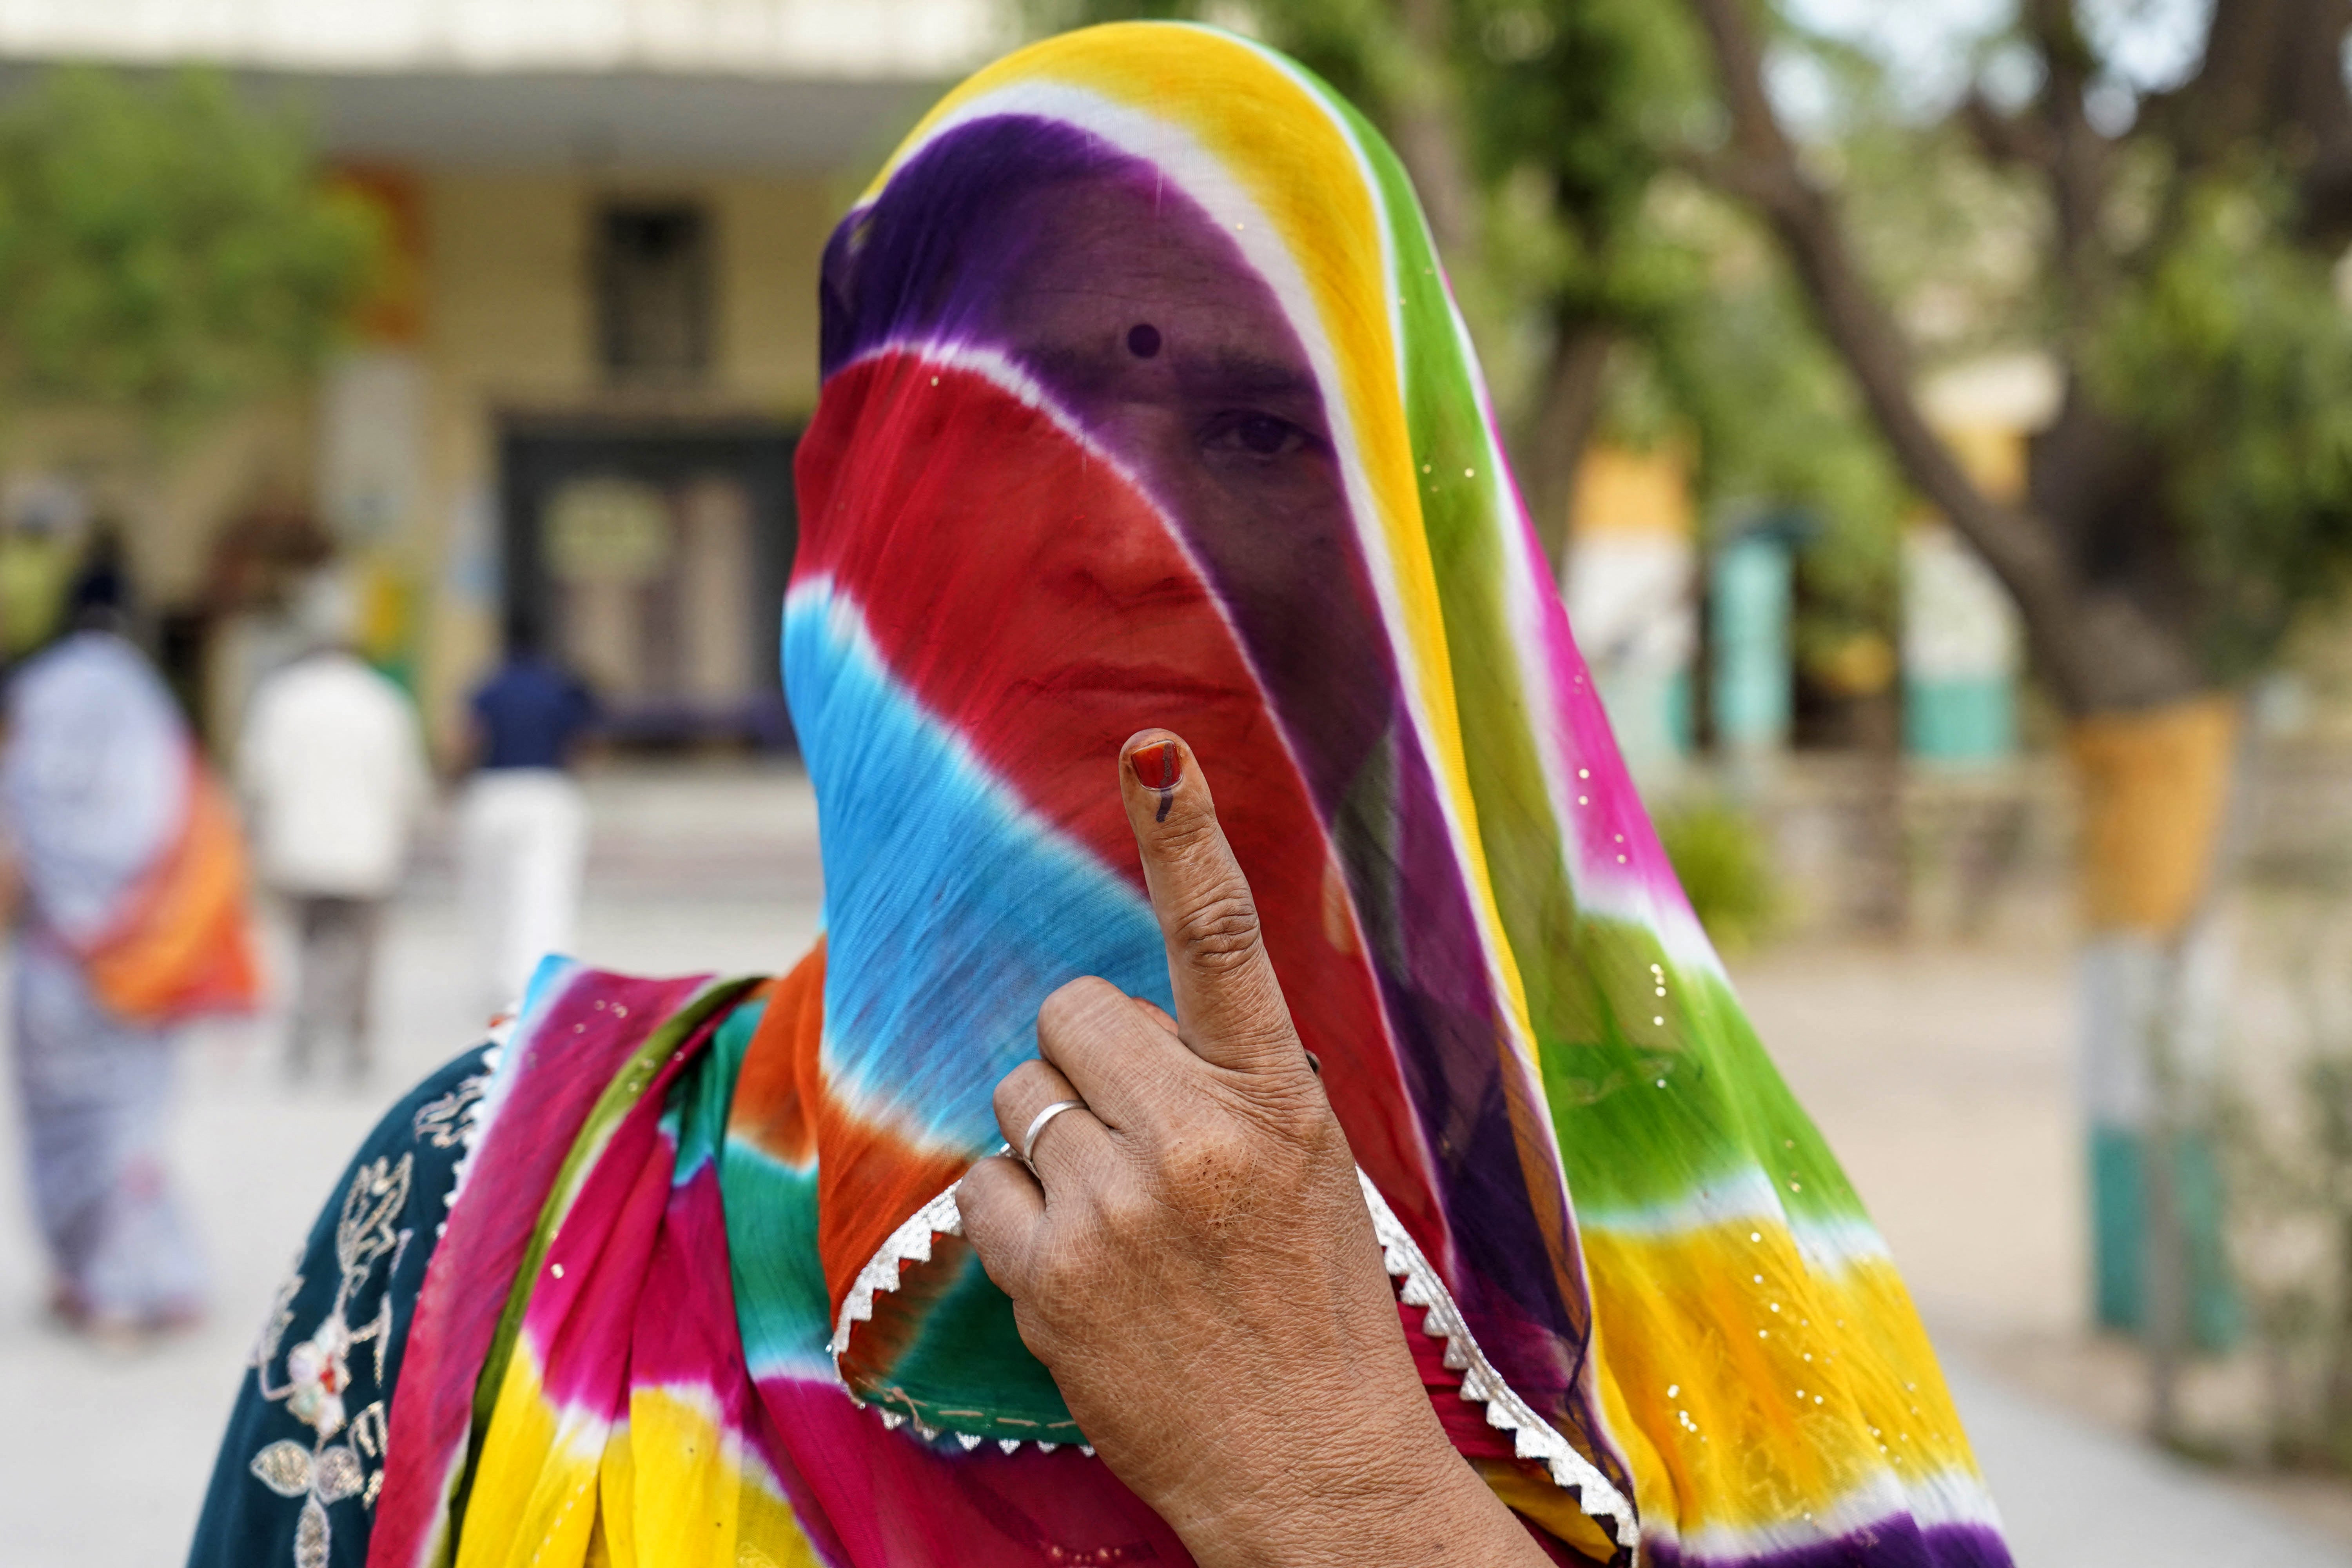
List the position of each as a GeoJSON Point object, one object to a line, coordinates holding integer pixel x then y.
{"type": "Point", "coordinates": [1229, 1009]}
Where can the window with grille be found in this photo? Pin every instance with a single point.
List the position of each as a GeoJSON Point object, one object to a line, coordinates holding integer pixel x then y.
{"type": "Point", "coordinates": [653, 267]}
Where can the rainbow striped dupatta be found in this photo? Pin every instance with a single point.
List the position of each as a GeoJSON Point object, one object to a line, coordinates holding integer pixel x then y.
{"type": "Point", "coordinates": [1145, 402]}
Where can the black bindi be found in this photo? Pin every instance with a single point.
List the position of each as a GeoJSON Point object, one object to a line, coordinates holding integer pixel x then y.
{"type": "Point", "coordinates": [1143, 340]}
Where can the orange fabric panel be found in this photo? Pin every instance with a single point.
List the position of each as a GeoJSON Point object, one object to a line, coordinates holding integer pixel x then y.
{"type": "Point", "coordinates": [771, 1107]}
{"type": "Point", "coordinates": [185, 946]}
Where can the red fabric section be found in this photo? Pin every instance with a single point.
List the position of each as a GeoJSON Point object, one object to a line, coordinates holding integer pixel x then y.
{"type": "Point", "coordinates": [908, 463]}
{"type": "Point", "coordinates": [887, 1497]}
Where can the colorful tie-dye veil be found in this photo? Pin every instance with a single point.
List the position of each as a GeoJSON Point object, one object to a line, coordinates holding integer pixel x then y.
{"type": "Point", "coordinates": [1145, 402]}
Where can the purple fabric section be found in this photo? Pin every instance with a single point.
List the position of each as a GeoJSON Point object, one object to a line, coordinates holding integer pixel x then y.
{"type": "Point", "coordinates": [1892, 1543]}
{"type": "Point", "coordinates": [567, 1049]}
{"type": "Point", "coordinates": [1018, 197]}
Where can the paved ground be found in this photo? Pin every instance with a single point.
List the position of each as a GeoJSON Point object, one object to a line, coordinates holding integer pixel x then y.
{"type": "Point", "coordinates": [1939, 1076]}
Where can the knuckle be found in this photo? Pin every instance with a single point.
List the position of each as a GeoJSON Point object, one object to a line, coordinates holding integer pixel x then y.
{"type": "Point", "coordinates": [1006, 1096]}
{"type": "Point", "coordinates": [1193, 832]}
{"type": "Point", "coordinates": [1022, 1085]}
{"type": "Point", "coordinates": [1125, 1215]}
{"type": "Point", "coordinates": [1220, 931]}
{"type": "Point", "coordinates": [1072, 1005]}
{"type": "Point", "coordinates": [1298, 1113]}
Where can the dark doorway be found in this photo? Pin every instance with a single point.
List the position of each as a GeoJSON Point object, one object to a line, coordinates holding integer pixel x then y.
{"type": "Point", "coordinates": [652, 555]}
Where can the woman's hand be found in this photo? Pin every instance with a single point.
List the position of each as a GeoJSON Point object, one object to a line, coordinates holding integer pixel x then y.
{"type": "Point", "coordinates": [1193, 1258]}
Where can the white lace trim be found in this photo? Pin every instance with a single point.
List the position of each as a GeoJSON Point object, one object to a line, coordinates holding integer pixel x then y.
{"type": "Point", "coordinates": [1532, 1438]}
{"type": "Point", "coordinates": [911, 1243]}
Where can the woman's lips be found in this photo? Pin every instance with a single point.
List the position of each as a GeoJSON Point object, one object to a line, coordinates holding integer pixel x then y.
{"type": "Point", "coordinates": [1136, 682]}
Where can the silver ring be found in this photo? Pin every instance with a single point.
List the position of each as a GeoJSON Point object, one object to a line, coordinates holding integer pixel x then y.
{"type": "Point", "coordinates": [1037, 1125]}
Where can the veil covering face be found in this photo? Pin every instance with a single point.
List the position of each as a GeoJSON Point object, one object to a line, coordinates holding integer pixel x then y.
{"type": "Point", "coordinates": [1145, 402]}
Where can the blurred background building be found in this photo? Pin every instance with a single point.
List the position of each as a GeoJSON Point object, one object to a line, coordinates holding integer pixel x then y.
{"type": "Point", "coordinates": [574, 390]}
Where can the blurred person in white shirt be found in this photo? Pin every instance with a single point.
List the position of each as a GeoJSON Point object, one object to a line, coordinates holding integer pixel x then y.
{"type": "Point", "coordinates": [332, 766]}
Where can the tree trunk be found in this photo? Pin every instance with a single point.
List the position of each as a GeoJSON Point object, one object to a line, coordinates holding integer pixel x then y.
{"type": "Point", "coordinates": [1553, 443]}
{"type": "Point", "coordinates": [2155, 789]}
{"type": "Point", "coordinates": [1428, 134]}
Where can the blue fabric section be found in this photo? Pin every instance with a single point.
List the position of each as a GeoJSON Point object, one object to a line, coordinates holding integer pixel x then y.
{"type": "Point", "coordinates": [547, 982]}
{"type": "Point", "coordinates": [950, 912]}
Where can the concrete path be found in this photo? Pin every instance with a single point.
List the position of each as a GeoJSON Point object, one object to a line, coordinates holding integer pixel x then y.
{"type": "Point", "coordinates": [2073, 1495]}
{"type": "Point", "coordinates": [104, 1457]}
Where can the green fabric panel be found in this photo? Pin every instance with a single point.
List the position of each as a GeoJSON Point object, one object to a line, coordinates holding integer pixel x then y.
{"type": "Point", "coordinates": [1520, 837]}
{"type": "Point", "coordinates": [699, 1099]}
{"type": "Point", "coordinates": [972, 1327]}
{"type": "Point", "coordinates": [1632, 1146]}
{"type": "Point", "coordinates": [780, 1301]}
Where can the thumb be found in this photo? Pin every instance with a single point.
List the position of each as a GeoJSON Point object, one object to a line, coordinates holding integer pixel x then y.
{"type": "Point", "coordinates": [1229, 1008]}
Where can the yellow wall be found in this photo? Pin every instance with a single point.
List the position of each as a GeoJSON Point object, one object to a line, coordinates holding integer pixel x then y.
{"type": "Point", "coordinates": [510, 327]}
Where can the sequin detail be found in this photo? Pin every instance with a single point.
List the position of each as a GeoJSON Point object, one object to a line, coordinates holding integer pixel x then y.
{"type": "Point", "coordinates": [317, 1369]}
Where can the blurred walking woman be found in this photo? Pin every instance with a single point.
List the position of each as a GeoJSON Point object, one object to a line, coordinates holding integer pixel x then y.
{"type": "Point", "coordinates": [132, 920]}
{"type": "Point", "coordinates": [1260, 1098]}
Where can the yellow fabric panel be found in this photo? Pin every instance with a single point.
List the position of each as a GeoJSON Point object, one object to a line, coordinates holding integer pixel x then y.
{"type": "Point", "coordinates": [1537, 1499]}
{"type": "Point", "coordinates": [616, 1498]}
{"type": "Point", "coordinates": [534, 1494]}
{"type": "Point", "coordinates": [691, 1503]}
{"type": "Point", "coordinates": [665, 1488]}
{"type": "Point", "coordinates": [1736, 1415]}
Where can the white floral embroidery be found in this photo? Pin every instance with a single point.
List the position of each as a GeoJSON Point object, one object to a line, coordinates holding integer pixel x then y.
{"type": "Point", "coordinates": [446, 1122]}
{"type": "Point", "coordinates": [317, 1369]}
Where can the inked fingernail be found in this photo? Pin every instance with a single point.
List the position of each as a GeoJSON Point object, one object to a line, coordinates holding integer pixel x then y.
{"type": "Point", "coordinates": [1158, 767]}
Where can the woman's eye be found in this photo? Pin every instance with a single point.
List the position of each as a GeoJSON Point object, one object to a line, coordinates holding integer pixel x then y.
{"type": "Point", "coordinates": [1264, 435]}
{"type": "Point", "coordinates": [1258, 434]}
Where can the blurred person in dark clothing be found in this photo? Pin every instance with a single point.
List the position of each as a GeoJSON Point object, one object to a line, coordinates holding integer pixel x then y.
{"type": "Point", "coordinates": [522, 821]}
{"type": "Point", "coordinates": [128, 873]}
{"type": "Point", "coordinates": [333, 771]}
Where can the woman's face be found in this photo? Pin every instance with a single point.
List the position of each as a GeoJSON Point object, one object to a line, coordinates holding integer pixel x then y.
{"type": "Point", "coordinates": [1142, 317]}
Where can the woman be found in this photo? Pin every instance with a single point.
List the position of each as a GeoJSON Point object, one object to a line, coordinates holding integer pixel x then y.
{"type": "Point", "coordinates": [1144, 405]}
{"type": "Point", "coordinates": [129, 876]}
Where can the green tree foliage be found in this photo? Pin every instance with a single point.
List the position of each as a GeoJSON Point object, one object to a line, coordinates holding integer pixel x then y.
{"type": "Point", "coordinates": [1725, 867]}
{"type": "Point", "coordinates": [163, 249]}
{"type": "Point", "coordinates": [2231, 355]}
{"type": "Point", "coordinates": [2155, 197]}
